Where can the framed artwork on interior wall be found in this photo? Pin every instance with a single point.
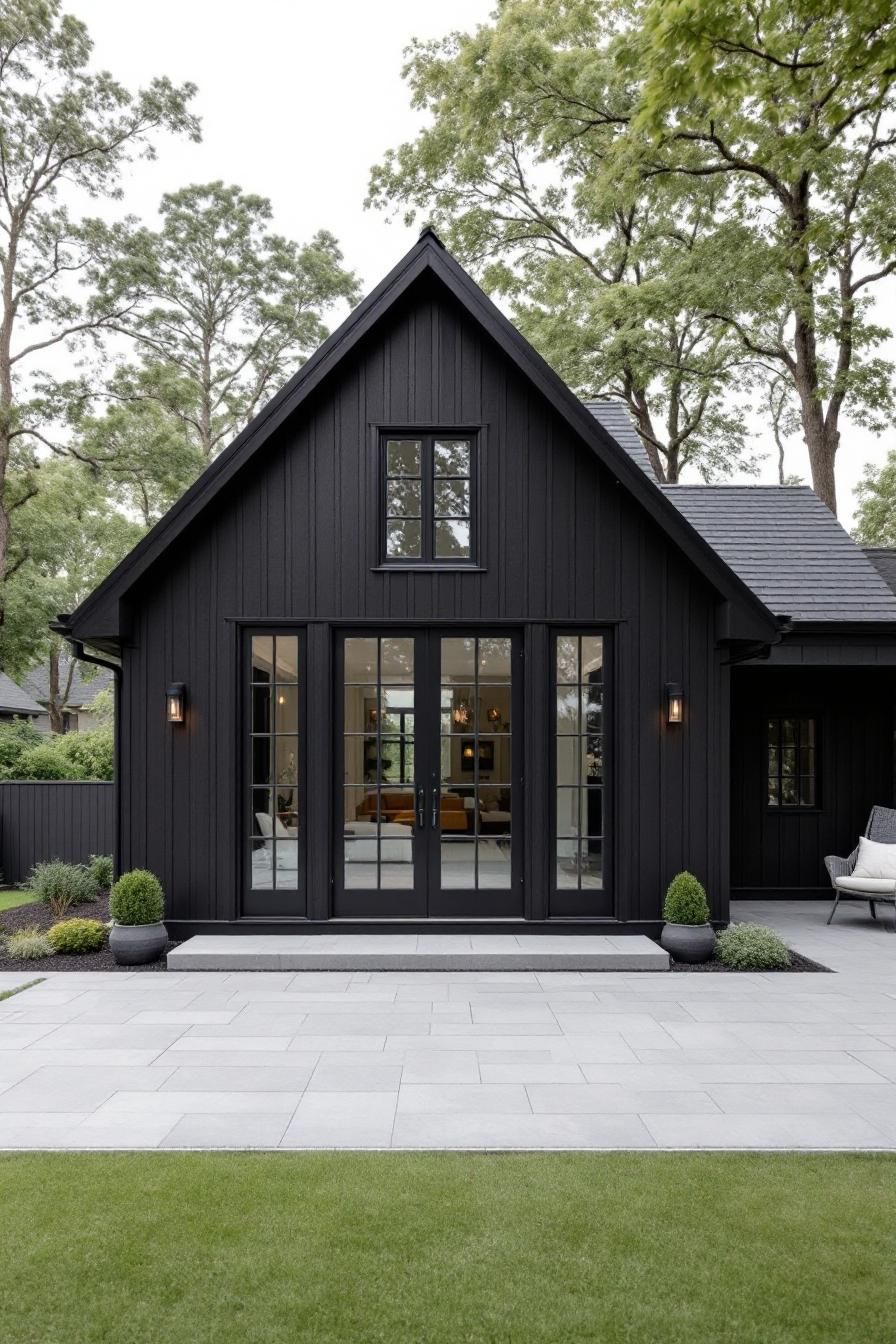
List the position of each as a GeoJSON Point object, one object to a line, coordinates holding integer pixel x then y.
{"type": "Point", "coordinates": [468, 755]}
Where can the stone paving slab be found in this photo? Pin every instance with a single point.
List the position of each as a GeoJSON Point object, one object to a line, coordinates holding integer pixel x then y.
{"type": "Point", "coordinates": [418, 952]}
{"type": "Point", "coordinates": [470, 1060]}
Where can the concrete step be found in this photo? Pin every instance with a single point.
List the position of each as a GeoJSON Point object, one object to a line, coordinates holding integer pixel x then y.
{"type": "Point", "coordinates": [417, 952]}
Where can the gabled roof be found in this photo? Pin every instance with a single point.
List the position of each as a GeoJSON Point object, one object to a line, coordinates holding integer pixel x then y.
{"type": "Point", "coordinates": [789, 548]}
{"type": "Point", "coordinates": [13, 700]}
{"type": "Point", "coordinates": [883, 558]}
{"type": "Point", "coordinates": [84, 688]}
{"type": "Point", "coordinates": [615, 418]}
{"type": "Point", "coordinates": [96, 619]}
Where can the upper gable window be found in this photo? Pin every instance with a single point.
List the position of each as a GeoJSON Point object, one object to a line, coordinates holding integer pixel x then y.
{"type": "Point", "coordinates": [428, 501]}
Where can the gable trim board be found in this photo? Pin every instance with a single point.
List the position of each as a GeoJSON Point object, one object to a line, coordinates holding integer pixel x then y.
{"type": "Point", "coordinates": [97, 619]}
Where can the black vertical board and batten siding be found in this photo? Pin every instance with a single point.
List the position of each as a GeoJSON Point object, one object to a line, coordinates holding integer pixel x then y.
{"type": "Point", "coordinates": [295, 537]}
{"type": "Point", "coordinates": [780, 850]}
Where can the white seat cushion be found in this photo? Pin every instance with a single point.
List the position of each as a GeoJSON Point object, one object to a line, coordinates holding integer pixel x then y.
{"type": "Point", "coordinates": [869, 886]}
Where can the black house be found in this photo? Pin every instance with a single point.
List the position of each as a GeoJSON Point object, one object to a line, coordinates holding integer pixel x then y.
{"type": "Point", "coordinates": [429, 642]}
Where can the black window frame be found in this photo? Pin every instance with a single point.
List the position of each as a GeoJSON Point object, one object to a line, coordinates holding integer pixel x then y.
{"type": "Point", "coordinates": [778, 806]}
{"type": "Point", "coordinates": [590, 902]}
{"type": "Point", "coordinates": [277, 900]}
{"type": "Point", "coordinates": [427, 439]}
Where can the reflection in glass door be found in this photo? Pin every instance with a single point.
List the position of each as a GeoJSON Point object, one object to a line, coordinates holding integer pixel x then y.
{"type": "Point", "coordinates": [429, 786]}
{"type": "Point", "coordinates": [580, 744]}
{"type": "Point", "coordinates": [274, 820]}
{"type": "Point", "coordinates": [379, 802]}
{"type": "Point", "coordinates": [476, 777]}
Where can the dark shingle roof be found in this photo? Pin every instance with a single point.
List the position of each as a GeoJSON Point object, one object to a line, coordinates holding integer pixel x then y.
{"type": "Point", "coordinates": [615, 418]}
{"type": "Point", "coordinates": [84, 689]}
{"type": "Point", "coordinates": [883, 558]}
{"type": "Point", "coordinates": [789, 548]}
{"type": "Point", "coordinates": [13, 700]}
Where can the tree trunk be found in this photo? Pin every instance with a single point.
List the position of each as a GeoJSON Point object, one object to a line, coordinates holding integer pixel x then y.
{"type": "Point", "coordinates": [54, 702]}
{"type": "Point", "coordinates": [6, 403]}
{"type": "Point", "coordinates": [822, 441]}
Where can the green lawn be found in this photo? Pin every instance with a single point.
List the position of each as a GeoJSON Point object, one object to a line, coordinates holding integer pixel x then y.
{"type": "Point", "coordinates": [268, 1248]}
{"type": "Point", "coordinates": [10, 899]}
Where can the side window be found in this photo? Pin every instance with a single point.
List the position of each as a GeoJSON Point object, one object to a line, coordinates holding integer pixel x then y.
{"type": "Point", "coordinates": [792, 762]}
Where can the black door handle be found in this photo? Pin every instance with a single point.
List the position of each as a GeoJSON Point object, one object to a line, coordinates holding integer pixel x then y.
{"type": "Point", "coordinates": [421, 807]}
{"type": "Point", "coordinates": [435, 809]}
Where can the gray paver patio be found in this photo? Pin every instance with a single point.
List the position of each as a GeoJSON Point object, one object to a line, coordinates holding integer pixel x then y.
{"type": "Point", "coordinates": [465, 1059]}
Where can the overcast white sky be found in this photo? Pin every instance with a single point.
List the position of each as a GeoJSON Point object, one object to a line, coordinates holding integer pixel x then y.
{"type": "Point", "coordinates": [298, 99]}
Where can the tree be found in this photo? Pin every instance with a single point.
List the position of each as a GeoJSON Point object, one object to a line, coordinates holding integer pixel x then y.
{"type": "Point", "coordinates": [145, 454]}
{"type": "Point", "coordinates": [65, 132]}
{"type": "Point", "coordinates": [752, 137]}
{"type": "Point", "coordinates": [610, 275]}
{"type": "Point", "coordinates": [875, 521]}
{"type": "Point", "coordinates": [791, 104]}
{"type": "Point", "coordinates": [67, 539]}
{"type": "Point", "coordinates": [223, 309]}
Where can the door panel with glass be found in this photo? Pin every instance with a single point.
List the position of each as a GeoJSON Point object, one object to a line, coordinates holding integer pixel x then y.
{"type": "Point", "coordinates": [429, 785]}
{"type": "Point", "coordinates": [275, 877]}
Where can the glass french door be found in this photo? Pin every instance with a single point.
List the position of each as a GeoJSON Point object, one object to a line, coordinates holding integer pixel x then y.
{"type": "Point", "coordinates": [429, 787]}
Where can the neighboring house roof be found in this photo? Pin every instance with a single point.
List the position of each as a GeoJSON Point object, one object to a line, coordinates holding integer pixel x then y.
{"type": "Point", "coordinates": [616, 419]}
{"type": "Point", "coordinates": [883, 558]}
{"type": "Point", "coordinates": [97, 619]}
{"type": "Point", "coordinates": [789, 548]}
{"type": "Point", "coordinates": [13, 700]}
{"type": "Point", "coordinates": [84, 689]}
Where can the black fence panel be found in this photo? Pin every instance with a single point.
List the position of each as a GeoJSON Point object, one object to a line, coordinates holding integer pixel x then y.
{"type": "Point", "coordinates": [58, 819]}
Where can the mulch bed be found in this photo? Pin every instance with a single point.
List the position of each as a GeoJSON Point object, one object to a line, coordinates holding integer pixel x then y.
{"type": "Point", "coordinates": [797, 963]}
{"type": "Point", "coordinates": [26, 916]}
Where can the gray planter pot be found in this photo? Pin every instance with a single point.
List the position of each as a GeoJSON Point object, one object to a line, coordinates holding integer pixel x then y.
{"type": "Point", "coordinates": [134, 944]}
{"type": "Point", "coordinates": [688, 942]}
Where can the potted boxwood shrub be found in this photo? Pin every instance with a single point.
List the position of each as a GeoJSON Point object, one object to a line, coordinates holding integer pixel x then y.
{"type": "Point", "coordinates": [137, 907]}
{"type": "Point", "coordinates": [687, 933]}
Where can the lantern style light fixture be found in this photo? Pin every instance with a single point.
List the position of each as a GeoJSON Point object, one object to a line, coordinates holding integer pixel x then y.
{"type": "Point", "coordinates": [463, 713]}
{"type": "Point", "coordinates": [175, 700]}
{"type": "Point", "coordinates": [674, 702]}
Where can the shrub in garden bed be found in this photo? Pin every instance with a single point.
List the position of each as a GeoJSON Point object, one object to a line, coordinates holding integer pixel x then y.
{"type": "Point", "coordinates": [100, 869]}
{"type": "Point", "coordinates": [73, 936]}
{"type": "Point", "coordinates": [752, 947]}
{"type": "Point", "coordinates": [28, 944]}
{"type": "Point", "coordinates": [62, 885]}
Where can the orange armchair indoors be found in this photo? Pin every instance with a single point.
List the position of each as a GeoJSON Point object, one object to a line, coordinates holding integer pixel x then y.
{"type": "Point", "coordinates": [398, 805]}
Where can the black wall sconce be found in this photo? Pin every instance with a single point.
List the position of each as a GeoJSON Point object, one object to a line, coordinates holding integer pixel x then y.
{"type": "Point", "coordinates": [175, 701]}
{"type": "Point", "coordinates": [674, 702]}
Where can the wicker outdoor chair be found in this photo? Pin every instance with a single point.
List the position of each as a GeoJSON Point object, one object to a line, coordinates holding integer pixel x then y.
{"type": "Point", "coordinates": [882, 828]}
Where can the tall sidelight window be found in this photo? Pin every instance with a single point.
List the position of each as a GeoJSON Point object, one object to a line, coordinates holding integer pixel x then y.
{"type": "Point", "coordinates": [428, 499]}
{"type": "Point", "coordinates": [275, 813]}
{"type": "Point", "coordinates": [792, 768]}
{"type": "Point", "coordinates": [580, 738]}
{"type": "Point", "coordinates": [379, 802]}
